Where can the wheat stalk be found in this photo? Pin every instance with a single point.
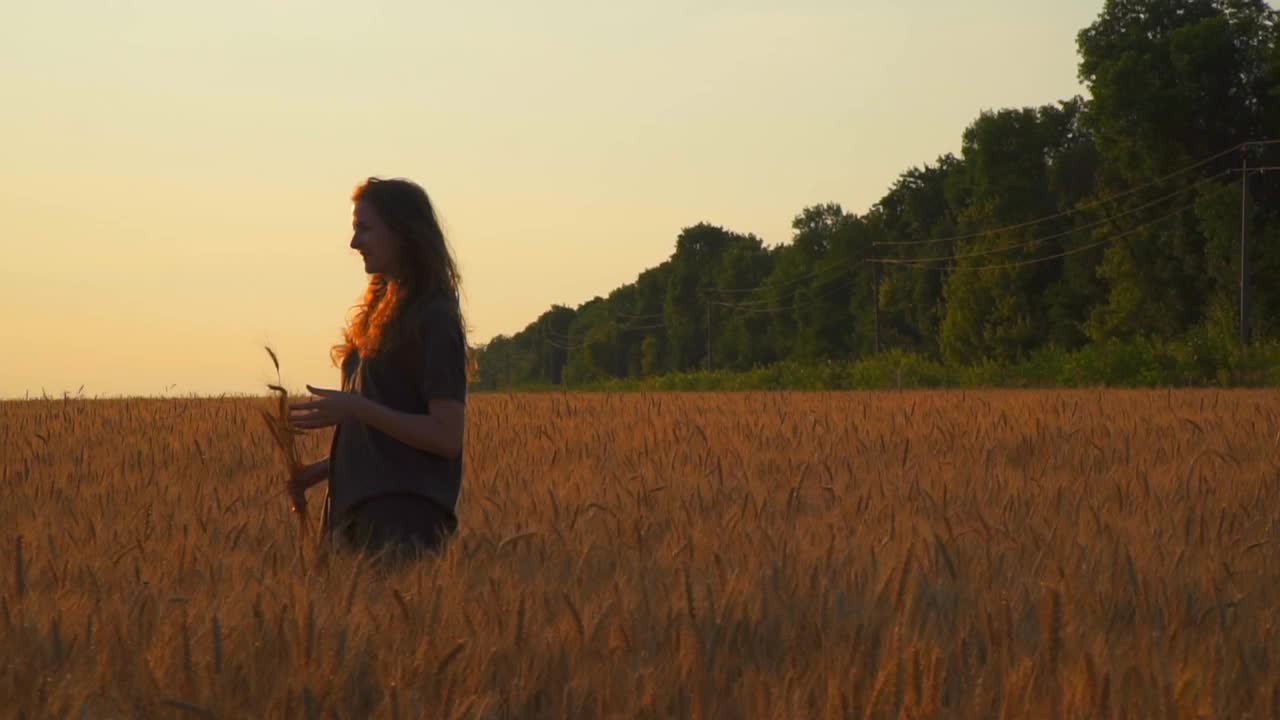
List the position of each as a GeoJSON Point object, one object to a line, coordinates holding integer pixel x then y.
{"type": "Point", "coordinates": [284, 436]}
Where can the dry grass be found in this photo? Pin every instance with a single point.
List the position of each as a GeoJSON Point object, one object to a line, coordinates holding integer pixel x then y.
{"type": "Point", "coordinates": [1005, 554]}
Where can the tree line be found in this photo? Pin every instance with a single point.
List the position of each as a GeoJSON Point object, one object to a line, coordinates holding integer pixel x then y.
{"type": "Point", "coordinates": [1115, 217]}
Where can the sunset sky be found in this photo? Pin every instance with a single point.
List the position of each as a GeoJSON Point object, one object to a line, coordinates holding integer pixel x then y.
{"type": "Point", "coordinates": [174, 176]}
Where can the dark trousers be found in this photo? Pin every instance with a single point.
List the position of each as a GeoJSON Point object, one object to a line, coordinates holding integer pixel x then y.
{"type": "Point", "coordinates": [399, 522]}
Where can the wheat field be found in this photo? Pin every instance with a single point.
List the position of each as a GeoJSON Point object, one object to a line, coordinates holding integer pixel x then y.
{"type": "Point", "coordinates": [1075, 554]}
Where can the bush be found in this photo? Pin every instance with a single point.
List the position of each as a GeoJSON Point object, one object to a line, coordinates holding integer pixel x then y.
{"type": "Point", "coordinates": [1197, 359]}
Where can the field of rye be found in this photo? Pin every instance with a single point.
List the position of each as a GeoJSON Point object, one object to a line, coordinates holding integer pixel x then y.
{"type": "Point", "coordinates": [1075, 554]}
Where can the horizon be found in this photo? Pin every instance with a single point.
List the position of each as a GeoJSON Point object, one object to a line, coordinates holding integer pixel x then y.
{"type": "Point", "coordinates": [179, 179]}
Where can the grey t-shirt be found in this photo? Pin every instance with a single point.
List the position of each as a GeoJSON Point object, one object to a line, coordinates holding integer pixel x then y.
{"type": "Point", "coordinates": [365, 462]}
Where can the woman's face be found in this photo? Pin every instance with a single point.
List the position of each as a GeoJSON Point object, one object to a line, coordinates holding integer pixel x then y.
{"type": "Point", "coordinates": [377, 243]}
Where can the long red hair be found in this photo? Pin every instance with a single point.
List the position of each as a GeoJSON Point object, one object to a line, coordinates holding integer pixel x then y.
{"type": "Point", "coordinates": [426, 270]}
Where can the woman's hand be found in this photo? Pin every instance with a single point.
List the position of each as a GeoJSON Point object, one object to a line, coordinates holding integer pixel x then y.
{"type": "Point", "coordinates": [330, 408]}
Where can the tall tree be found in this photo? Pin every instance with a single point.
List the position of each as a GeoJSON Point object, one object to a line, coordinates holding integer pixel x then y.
{"type": "Point", "coordinates": [994, 306]}
{"type": "Point", "coordinates": [1173, 82]}
{"type": "Point", "coordinates": [913, 213]}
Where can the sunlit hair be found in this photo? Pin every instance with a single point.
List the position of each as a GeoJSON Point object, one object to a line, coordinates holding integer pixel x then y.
{"type": "Point", "coordinates": [426, 269]}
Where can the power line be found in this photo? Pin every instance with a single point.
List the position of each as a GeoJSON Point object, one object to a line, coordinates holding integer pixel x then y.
{"type": "Point", "coordinates": [796, 306]}
{"type": "Point", "coordinates": [569, 338]}
{"type": "Point", "coordinates": [921, 263]}
{"type": "Point", "coordinates": [559, 346]}
{"type": "Point", "coordinates": [839, 267]}
{"type": "Point", "coordinates": [557, 335]}
{"type": "Point", "coordinates": [565, 342]}
{"type": "Point", "coordinates": [570, 342]}
{"type": "Point", "coordinates": [841, 270]}
{"type": "Point", "coordinates": [1078, 208]}
{"type": "Point", "coordinates": [629, 316]}
{"type": "Point", "coordinates": [792, 282]}
{"type": "Point", "coordinates": [643, 327]}
{"type": "Point", "coordinates": [1065, 253]}
{"type": "Point", "coordinates": [1065, 233]}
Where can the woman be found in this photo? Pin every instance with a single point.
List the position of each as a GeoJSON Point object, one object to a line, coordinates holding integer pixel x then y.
{"type": "Point", "coordinates": [395, 462]}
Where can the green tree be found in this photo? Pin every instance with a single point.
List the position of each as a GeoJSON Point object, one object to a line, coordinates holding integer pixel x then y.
{"type": "Point", "coordinates": [1172, 82]}
{"type": "Point", "coordinates": [915, 210]}
{"type": "Point", "coordinates": [994, 308]}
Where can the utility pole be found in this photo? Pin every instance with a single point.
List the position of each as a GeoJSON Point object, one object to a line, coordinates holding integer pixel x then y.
{"type": "Point", "coordinates": [875, 290]}
{"type": "Point", "coordinates": [709, 365]}
{"type": "Point", "coordinates": [1244, 245]}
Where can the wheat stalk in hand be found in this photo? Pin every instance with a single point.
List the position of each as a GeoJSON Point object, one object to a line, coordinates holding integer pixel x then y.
{"type": "Point", "coordinates": [284, 437]}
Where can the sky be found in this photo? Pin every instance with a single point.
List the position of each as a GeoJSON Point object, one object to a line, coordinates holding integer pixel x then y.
{"type": "Point", "coordinates": [175, 177]}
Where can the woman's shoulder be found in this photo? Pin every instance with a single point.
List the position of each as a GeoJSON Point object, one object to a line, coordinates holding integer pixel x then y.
{"type": "Point", "coordinates": [441, 304]}
{"type": "Point", "coordinates": [435, 307]}
{"type": "Point", "coordinates": [432, 314]}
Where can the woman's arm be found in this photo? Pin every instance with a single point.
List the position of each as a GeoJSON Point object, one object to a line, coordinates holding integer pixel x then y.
{"type": "Point", "coordinates": [439, 433]}
{"type": "Point", "coordinates": [313, 474]}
